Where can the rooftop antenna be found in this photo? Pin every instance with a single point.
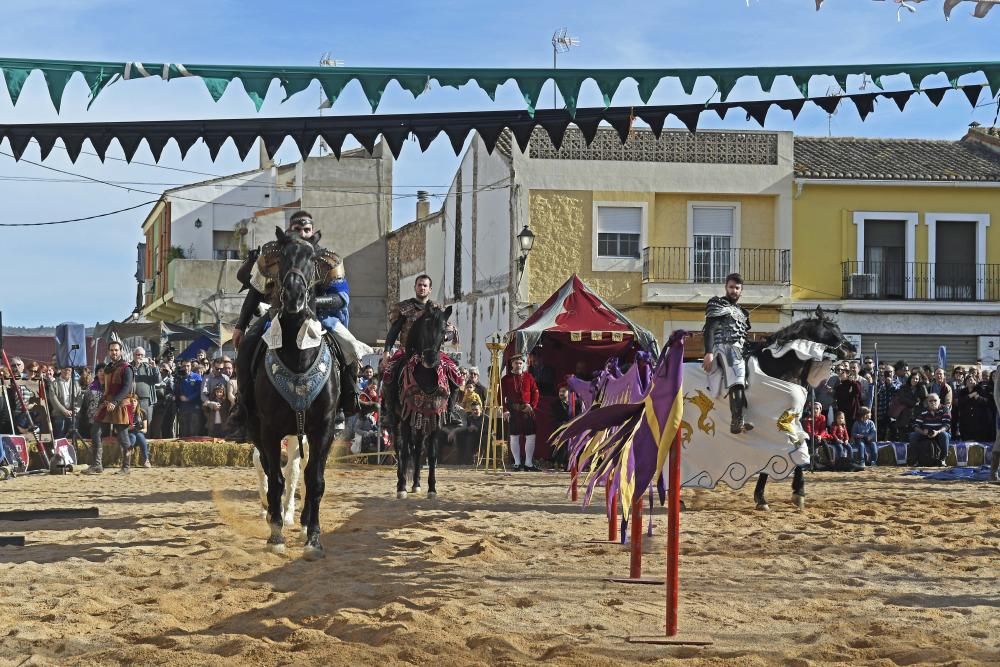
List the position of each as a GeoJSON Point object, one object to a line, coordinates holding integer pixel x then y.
{"type": "Point", "coordinates": [561, 43]}
{"type": "Point", "coordinates": [326, 61]}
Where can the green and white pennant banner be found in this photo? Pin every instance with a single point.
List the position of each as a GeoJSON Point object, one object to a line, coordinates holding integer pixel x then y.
{"type": "Point", "coordinates": [257, 80]}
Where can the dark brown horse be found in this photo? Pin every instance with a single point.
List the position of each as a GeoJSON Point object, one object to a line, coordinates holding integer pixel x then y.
{"type": "Point", "coordinates": [307, 402]}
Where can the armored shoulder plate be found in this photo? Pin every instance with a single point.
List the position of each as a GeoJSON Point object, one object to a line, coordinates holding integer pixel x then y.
{"type": "Point", "coordinates": [329, 264]}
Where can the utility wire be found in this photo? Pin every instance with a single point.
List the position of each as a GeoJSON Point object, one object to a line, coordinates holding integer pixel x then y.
{"type": "Point", "coordinates": [89, 217]}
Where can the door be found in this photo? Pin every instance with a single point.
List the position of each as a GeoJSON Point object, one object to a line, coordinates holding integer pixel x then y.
{"type": "Point", "coordinates": [954, 265]}
{"type": "Point", "coordinates": [885, 255]}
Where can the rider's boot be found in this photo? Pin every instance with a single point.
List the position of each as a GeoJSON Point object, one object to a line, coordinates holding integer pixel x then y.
{"type": "Point", "coordinates": [737, 405]}
{"type": "Point", "coordinates": [349, 389]}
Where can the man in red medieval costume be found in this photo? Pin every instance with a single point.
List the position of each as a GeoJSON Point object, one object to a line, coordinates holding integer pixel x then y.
{"type": "Point", "coordinates": [520, 399]}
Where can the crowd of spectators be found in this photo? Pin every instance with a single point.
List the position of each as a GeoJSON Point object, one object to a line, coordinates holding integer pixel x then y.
{"type": "Point", "coordinates": [923, 406]}
{"type": "Point", "coordinates": [175, 398]}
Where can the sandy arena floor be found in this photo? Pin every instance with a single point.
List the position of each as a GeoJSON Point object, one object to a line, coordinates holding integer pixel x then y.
{"type": "Point", "coordinates": [879, 569]}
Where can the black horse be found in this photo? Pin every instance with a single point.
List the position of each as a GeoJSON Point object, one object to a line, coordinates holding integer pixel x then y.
{"type": "Point", "coordinates": [789, 367]}
{"type": "Point", "coordinates": [425, 381]}
{"type": "Point", "coordinates": [298, 370]}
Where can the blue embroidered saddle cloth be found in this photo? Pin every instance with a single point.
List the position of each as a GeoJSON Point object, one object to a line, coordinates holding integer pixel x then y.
{"type": "Point", "coordinates": [299, 389]}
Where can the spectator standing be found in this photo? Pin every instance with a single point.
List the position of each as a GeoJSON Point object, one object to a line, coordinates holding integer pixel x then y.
{"type": "Point", "coordinates": [886, 392]}
{"type": "Point", "coordinates": [147, 378]}
{"type": "Point", "coordinates": [847, 396]}
{"type": "Point", "coordinates": [972, 412]}
{"type": "Point", "coordinates": [217, 408]}
{"type": "Point", "coordinates": [18, 365]}
{"type": "Point", "coordinates": [931, 435]}
{"type": "Point", "coordinates": [911, 397]}
{"type": "Point", "coordinates": [187, 394]}
{"type": "Point", "coordinates": [474, 378]}
{"type": "Point", "coordinates": [866, 395]}
{"type": "Point", "coordinates": [863, 437]}
{"type": "Point", "coordinates": [166, 413]}
{"type": "Point", "coordinates": [939, 385]}
{"type": "Point", "coordinates": [957, 381]}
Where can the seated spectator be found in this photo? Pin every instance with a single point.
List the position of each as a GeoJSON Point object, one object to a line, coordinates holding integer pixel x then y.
{"type": "Point", "coordinates": [365, 377]}
{"type": "Point", "coordinates": [931, 435]}
{"type": "Point", "coordinates": [815, 428]}
{"type": "Point", "coordinates": [972, 412]}
{"type": "Point", "coordinates": [217, 408]}
{"type": "Point", "coordinates": [839, 441]}
{"type": "Point", "coordinates": [863, 436]}
{"type": "Point", "coordinates": [137, 436]}
{"type": "Point", "coordinates": [471, 397]}
{"type": "Point", "coordinates": [474, 379]}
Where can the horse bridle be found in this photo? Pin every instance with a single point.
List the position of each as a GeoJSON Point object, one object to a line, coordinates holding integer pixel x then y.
{"type": "Point", "coordinates": [307, 285]}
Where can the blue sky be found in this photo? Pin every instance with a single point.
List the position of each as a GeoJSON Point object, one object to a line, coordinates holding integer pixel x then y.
{"type": "Point", "coordinates": [83, 272]}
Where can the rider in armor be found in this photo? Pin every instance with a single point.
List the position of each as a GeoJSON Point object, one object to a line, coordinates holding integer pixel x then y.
{"type": "Point", "coordinates": [333, 298]}
{"type": "Point", "coordinates": [401, 319]}
{"type": "Point", "coordinates": [726, 327]}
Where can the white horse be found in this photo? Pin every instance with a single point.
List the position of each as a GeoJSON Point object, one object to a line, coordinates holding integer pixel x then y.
{"type": "Point", "coordinates": [292, 464]}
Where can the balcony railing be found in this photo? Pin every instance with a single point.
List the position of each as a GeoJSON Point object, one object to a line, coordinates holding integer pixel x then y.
{"type": "Point", "coordinates": [758, 266]}
{"type": "Point", "coordinates": [921, 281]}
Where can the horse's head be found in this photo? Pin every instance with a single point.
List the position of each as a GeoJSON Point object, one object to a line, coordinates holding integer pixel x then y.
{"type": "Point", "coordinates": [427, 335]}
{"type": "Point", "coordinates": [296, 271]}
{"type": "Point", "coordinates": [821, 328]}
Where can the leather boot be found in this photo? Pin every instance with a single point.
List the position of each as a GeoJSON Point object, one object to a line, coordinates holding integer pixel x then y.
{"type": "Point", "coordinates": [995, 467]}
{"type": "Point", "coordinates": [349, 389]}
{"type": "Point", "coordinates": [737, 404]}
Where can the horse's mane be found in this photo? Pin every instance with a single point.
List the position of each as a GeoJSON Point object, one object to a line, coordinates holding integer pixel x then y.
{"type": "Point", "coordinates": [803, 329]}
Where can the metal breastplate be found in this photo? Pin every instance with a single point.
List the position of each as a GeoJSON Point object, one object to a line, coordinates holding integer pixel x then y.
{"type": "Point", "coordinates": [731, 322]}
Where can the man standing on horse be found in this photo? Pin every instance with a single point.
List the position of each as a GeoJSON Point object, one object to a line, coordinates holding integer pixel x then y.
{"type": "Point", "coordinates": [258, 274]}
{"type": "Point", "coordinates": [727, 325]}
{"type": "Point", "coordinates": [401, 319]}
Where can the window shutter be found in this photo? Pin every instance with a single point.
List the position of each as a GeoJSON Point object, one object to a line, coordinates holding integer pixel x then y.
{"type": "Point", "coordinates": [713, 220]}
{"type": "Point", "coordinates": [619, 220]}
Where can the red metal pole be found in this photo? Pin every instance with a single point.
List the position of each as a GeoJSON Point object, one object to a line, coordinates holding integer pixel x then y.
{"type": "Point", "coordinates": [635, 560]}
{"type": "Point", "coordinates": [612, 515]}
{"type": "Point", "coordinates": [574, 475]}
{"type": "Point", "coordinates": [673, 533]}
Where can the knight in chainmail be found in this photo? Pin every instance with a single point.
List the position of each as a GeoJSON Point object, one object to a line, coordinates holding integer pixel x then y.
{"type": "Point", "coordinates": [727, 325]}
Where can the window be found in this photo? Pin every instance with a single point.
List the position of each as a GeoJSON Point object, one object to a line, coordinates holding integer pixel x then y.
{"type": "Point", "coordinates": [619, 229]}
{"type": "Point", "coordinates": [225, 245]}
{"type": "Point", "coordinates": [713, 228]}
{"type": "Point", "coordinates": [225, 254]}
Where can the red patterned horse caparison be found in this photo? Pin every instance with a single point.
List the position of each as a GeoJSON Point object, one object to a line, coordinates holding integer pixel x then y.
{"type": "Point", "coordinates": [427, 411]}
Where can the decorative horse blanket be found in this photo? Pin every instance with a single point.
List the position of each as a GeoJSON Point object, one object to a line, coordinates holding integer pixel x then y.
{"type": "Point", "coordinates": [426, 411]}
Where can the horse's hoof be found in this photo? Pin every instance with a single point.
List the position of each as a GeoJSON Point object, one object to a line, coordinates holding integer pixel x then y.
{"type": "Point", "coordinates": [278, 548]}
{"type": "Point", "coordinates": [312, 553]}
{"type": "Point", "coordinates": [414, 489]}
{"type": "Point", "coordinates": [799, 501]}
{"type": "Point", "coordinates": [763, 507]}
{"type": "Point", "coordinates": [432, 494]}
{"type": "Point", "coordinates": [400, 494]}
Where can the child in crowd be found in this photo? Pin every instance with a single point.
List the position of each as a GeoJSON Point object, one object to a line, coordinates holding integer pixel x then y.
{"type": "Point", "coordinates": [840, 438]}
{"type": "Point", "coordinates": [217, 410]}
{"type": "Point", "coordinates": [863, 437]}
{"type": "Point", "coordinates": [470, 397]}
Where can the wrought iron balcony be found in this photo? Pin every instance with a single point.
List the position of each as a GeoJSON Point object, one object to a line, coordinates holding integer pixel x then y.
{"type": "Point", "coordinates": [921, 281]}
{"type": "Point", "coordinates": [758, 266]}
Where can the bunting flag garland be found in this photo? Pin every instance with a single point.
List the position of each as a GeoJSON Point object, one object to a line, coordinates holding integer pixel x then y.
{"type": "Point", "coordinates": [374, 81]}
{"type": "Point", "coordinates": [397, 128]}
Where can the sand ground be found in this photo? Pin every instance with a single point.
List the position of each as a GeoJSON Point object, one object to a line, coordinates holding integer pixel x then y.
{"type": "Point", "coordinates": [878, 569]}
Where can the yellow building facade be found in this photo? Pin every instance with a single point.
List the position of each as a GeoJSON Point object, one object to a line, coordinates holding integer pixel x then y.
{"type": "Point", "coordinates": [895, 236]}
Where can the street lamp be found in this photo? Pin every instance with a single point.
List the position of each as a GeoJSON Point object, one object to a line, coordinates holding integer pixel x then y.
{"type": "Point", "coordinates": [561, 43]}
{"type": "Point", "coordinates": [526, 241]}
